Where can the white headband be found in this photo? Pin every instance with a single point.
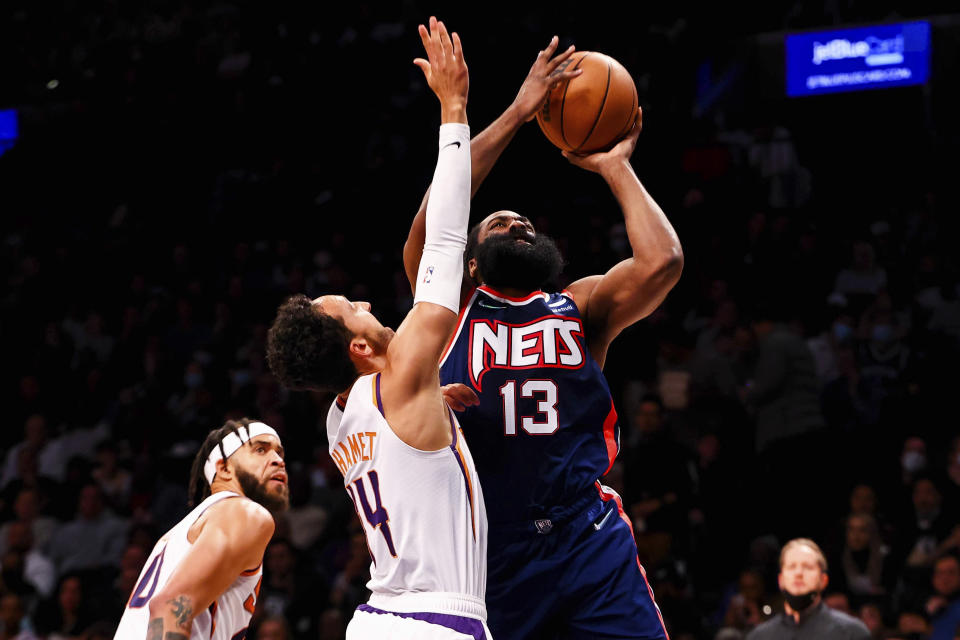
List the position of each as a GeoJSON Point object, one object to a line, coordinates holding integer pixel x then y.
{"type": "Point", "coordinates": [231, 442]}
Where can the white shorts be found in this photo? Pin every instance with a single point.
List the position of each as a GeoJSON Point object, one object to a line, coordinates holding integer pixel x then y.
{"type": "Point", "coordinates": [419, 617]}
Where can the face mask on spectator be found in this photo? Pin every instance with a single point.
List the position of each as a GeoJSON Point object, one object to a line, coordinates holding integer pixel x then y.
{"type": "Point", "coordinates": [800, 602]}
{"type": "Point", "coordinates": [913, 461]}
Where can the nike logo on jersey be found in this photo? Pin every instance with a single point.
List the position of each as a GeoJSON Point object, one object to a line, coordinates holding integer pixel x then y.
{"type": "Point", "coordinates": [484, 303]}
{"type": "Point", "coordinates": [549, 342]}
{"type": "Point", "coordinates": [455, 142]}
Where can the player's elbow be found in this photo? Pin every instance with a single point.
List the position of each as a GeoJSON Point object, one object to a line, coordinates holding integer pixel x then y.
{"type": "Point", "coordinates": [667, 267]}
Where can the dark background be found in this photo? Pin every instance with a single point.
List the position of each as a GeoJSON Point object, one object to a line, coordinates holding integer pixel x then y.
{"type": "Point", "coordinates": [184, 165]}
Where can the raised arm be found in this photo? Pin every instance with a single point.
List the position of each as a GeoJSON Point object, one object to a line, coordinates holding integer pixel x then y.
{"type": "Point", "coordinates": [232, 540]}
{"type": "Point", "coordinates": [632, 289]}
{"type": "Point", "coordinates": [410, 380]}
{"type": "Point", "coordinates": [487, 146]}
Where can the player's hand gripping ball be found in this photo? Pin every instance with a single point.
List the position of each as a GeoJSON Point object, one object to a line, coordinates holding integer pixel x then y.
{"type": "Point", "coordinates": [593, 111]}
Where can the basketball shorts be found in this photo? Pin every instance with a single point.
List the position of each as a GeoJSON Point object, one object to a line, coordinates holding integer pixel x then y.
{"type": "Point", "coordinates": [419, 616]}
{"type": "Point", "coordinates": [574, 579]}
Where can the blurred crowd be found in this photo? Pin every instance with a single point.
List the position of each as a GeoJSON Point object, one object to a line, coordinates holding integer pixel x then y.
{"type": "Point", "coordinates": [196, 162]}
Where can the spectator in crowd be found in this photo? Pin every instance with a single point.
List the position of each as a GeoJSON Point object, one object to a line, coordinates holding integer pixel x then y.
{"type": "Point", "coordinates": [94, 539]}
{"type": "Point", "coordinates": [838, 601]}
{"type": "Point", "coordinates": [659, 479]}
{"type": "Point", "coordinates": [27, 509]}
{"type": "Point", "coordinates": [115, 481]}
{"type": "Point", "coordinates": [790, 430]}
{"type": "Point", "coordinates": [864, 277]}
{"type": "Point", "coordinates": [862, 569]}
{"type": "Point", "coordinates": [802, 579]}
{"type": "Point", "coordinates": [68, 614]}
{"type": "Point", "coordinates": [912, 624]}
{"type": "Point", "coordinates": [50, 461]}
{"type": "Point", "coordinates": [871, 614]}
{"type": "Point", "coordinates": [750, 605]}
{"type": "Point", "coordinates": [14, 623]}
{"type": "Point", "coordinates": [289, 591]}
{"type": "Point", "coordinates": [37, 570]}
{"type": "Point", "coordinates": [943, 604]}
{"type": "Point", "coordinates": [273, 628]}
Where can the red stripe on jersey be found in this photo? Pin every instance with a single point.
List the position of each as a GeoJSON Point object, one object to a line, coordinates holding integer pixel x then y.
{"type": "Point", "coordinates": [610, 436]}
{"type": "Point", "coordinates": [494, 292]}
{"type": "Point", "coordinates": [607, 494]}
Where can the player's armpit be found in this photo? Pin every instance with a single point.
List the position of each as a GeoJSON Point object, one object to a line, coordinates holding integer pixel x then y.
{"type": "Point", "coordinates": [233, 537]}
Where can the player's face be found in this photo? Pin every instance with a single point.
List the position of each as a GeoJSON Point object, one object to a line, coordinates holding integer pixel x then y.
{"type": "Point", "coordinates": [801, 572]}
{"type": "Point", "coordinates": [262, 473]}
{"type": "Point", "coordinates": [357, 318]}
{"type": "Point", "coordinates": [510, 253]}
{"type": "Point", "coordinates": [507, 222]}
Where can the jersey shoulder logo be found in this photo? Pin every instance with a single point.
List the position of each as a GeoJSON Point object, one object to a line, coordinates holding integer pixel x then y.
{"type": "Point", "coordinates": [552, 342]}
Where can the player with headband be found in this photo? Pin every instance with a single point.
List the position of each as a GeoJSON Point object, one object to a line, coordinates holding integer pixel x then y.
{"type": "Point", "coordinates": [202, 578]}
{"type": "Point", "coordinates": [404, 462]}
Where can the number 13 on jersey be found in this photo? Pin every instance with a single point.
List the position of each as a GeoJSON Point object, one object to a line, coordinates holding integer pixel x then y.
{"type": "Point", "coordinates": [546, 422]}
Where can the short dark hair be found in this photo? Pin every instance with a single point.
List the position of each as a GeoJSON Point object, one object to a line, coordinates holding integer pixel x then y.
{"type": "Point", "coordinates": [199, 487]}
{"type": "Point", "coordinates": [307, 350]}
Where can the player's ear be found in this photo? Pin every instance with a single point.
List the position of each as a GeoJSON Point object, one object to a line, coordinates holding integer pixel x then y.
{"type": "Point", "coordinates": [224, 470]}
{"type": "Point", "coordinates": [472, 268]}
{"type": "Point", "coordinates": [360, 348]}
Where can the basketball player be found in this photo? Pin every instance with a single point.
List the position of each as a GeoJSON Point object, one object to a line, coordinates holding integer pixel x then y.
{"type": "Point", "coordinates": [562, 559]}
{"type": "Point", "coordinates": [404, 462]}
{"type": "Point", "coordinates": [202, 578]}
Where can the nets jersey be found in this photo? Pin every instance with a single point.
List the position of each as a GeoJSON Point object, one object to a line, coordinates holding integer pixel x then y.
{"type": "Point", "coordinates": [225, 619]}
{"type": "Point", "coordinates": [422, 511]}
{"type": "Point", "coordinates": [545, 429]}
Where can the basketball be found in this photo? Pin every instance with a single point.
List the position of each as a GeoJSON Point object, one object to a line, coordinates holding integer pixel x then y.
{"type": "Point", "coordinates": [592, 111]}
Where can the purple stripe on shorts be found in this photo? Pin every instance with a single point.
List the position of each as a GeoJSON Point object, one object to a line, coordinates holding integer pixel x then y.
{"type": "Point", "coordinates": [461, 624]}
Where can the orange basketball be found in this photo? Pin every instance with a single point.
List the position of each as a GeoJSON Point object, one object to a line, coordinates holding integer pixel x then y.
{"type": "Point", "coordinates": [592, 111]}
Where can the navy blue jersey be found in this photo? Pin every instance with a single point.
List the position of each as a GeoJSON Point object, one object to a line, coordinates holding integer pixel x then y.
{"type": "Point", "coordinates": [545, 429]}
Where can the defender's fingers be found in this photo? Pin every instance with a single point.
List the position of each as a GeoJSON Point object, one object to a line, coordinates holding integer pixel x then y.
{"type": "Point", "coordinates": [565, 75]}
{"type": "Point", "coordinates": [457, 46]}
{"type": "Point", "coordinates": [445, 43]}
{"type": "Point", "coordinates": [551, 47]}
{"type": "Point", "coordinates": [424, 66]}
{"type": "Point", "coordinates": [556, 62]}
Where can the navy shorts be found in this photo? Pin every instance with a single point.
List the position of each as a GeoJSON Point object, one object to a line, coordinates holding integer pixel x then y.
{"type": "Point", "coordinates": [577, 579]}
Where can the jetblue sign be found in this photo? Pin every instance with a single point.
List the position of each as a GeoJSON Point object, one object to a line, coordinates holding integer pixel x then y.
{"type": "Point", "coordinates": [885, 55]}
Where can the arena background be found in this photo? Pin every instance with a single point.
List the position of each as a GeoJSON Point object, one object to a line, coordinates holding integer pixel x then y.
{"type": "Point", "coordinates": [183, 165]}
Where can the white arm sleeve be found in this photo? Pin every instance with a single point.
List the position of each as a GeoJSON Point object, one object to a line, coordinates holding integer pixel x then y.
{"type": "Point", "coordinates": [448, 212]}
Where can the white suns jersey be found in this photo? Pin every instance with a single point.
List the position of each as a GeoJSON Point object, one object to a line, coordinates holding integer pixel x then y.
{"type": "Point", "coordinates": [225, 619]}
{"type": "Point", "coordinates": [422, 511]}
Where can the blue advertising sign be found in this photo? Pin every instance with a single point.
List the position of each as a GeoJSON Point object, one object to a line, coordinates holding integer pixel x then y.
{"type": "Point", "coordinates": [8, 129]}
{"type": "Point", "coordinates": [884, 55]}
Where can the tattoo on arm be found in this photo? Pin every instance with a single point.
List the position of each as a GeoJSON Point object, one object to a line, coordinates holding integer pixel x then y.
{"type": "Point", "coordinates": [155, 632]}
{"type": "Point", "coordinates": [155, 629]}
{"type": "Point", "coordinates": [182, 612]}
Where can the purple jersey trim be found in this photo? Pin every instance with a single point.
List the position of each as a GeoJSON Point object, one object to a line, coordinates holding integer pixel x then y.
{"type": "Point", "coordinates": [461, 624]}
{"type": "Point", "coordinates": [463, 468]}
{"type": "Point", "coordinates": [379, 398]}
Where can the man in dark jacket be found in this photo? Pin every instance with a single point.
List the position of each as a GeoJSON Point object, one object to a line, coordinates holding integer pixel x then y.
{"type": "Point", "coordinates": [803, 577]}
{"type": "Point", "coordinates": [790, 430]}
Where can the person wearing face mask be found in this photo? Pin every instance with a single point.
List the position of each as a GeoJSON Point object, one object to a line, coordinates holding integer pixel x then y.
{"type": "Point", "coordinates": [803, 578]}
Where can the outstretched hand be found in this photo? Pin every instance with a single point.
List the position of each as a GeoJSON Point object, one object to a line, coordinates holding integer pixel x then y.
{"type": "Point", "coordinates": [545, 73]}
{"type": "Point", "coordinates": [444, 68]}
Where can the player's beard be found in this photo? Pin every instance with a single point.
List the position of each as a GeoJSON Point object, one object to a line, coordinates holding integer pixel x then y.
{"type": "Point", "coordinates": [257, 491]}
{"type": "Point", "coordinates": [504, 262]}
